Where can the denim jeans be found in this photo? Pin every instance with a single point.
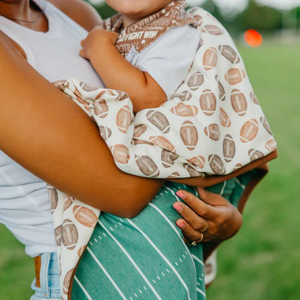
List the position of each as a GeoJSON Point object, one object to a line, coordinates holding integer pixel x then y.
{"type": "Point", "coordinates": [49, 278]}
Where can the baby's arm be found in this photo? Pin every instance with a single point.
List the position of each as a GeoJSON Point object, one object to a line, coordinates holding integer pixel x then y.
{"type": "Point", "coordinates": [117, 73]}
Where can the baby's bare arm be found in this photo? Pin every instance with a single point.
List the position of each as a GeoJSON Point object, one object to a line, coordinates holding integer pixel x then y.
{"type": "Point", "coordinates": [117, 73]}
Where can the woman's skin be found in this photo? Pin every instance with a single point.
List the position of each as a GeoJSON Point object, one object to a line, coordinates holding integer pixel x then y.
{"type": "Point", "coordinates": [49, 135]}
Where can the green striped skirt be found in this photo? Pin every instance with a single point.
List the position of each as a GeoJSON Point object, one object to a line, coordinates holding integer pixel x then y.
{"type": "Point", "coordinates": [145, 257]}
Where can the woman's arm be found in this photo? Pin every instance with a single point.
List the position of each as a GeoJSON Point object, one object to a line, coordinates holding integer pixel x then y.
{"type": "Point", "coordinates": [49, 135]}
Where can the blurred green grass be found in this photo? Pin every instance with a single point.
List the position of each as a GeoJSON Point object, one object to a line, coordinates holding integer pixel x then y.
{"type": "Point", "coordinates": [263, 261]}
{"type": "Point", "coordinates": [16, 269]}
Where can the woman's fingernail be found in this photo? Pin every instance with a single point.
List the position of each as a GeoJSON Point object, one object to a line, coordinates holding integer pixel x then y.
{"type": "Point", "coordinates": [180, 194]}
{"type": "Point", "coordinates": [180, 224]}
{"type": "Point", "coordinates": [178, 207]}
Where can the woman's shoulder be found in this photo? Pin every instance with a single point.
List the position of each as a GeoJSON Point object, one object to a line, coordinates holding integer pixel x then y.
{"type": "Point", "coordinates": [79, 11]}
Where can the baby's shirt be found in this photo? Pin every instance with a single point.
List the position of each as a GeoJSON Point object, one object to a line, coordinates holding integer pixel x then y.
{"type": "Point", "coordinates": [169, 58]}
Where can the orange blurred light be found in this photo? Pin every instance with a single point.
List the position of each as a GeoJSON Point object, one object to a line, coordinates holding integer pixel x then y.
{"type": "Point", "coordinates": [253, 38]}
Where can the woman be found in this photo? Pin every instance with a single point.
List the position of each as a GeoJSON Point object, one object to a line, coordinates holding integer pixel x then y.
{"type": "Point", "coordinates": [49, 41]}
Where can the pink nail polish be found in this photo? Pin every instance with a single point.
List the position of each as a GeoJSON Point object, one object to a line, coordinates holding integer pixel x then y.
{"type": "Point", "coordinates": [180, 224]}
{"type": "Point", "coordinates": [180, 194]}
{"type": "Point", "coordinates": [178, 207]}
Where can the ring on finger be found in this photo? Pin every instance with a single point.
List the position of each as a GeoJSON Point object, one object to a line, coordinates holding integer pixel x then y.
{"type": "Point", "coordinates": [205, 228]}
{"type": "Point", "coordinates": [194, 243]}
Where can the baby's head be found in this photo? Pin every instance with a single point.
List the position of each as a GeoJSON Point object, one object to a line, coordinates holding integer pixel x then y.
{"type": "Point", "coordinates": [137, 9]}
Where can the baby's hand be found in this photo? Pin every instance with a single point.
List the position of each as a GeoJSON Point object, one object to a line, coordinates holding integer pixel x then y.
{"type": "Point", "coordinates": [97, 38]}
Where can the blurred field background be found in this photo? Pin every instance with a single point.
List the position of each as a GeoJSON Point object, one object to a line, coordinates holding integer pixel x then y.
{"type": "Point", "coordinates": [263, 261]}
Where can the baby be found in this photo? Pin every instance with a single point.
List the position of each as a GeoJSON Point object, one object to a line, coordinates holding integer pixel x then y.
{"type": "Point", "coordinates": [153, 53]}
{"type": "Point", "coordinates": [171, 110]}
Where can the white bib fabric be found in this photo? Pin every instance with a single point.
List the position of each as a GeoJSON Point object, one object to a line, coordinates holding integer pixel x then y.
{"type": "Point", "coordinates": [212, 125]}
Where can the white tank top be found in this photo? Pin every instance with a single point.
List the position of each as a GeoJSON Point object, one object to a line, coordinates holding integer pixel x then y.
{"type": "Point", "coordinates": [24, 204]}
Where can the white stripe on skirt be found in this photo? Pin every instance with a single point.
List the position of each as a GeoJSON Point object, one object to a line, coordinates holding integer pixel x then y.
{"type": "Point", "coordinates": [131, 260]}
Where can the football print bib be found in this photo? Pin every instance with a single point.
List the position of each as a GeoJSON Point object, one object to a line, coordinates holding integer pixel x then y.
{"type": "Point", "coordinates": [142, 34]}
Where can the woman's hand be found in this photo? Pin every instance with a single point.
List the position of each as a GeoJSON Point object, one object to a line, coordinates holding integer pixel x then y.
{"type": "Point", "coordinates": [211, 219]}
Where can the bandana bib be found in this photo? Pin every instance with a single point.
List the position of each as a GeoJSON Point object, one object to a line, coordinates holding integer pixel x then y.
{"type": "Point", "coordinates": [143, 33]}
